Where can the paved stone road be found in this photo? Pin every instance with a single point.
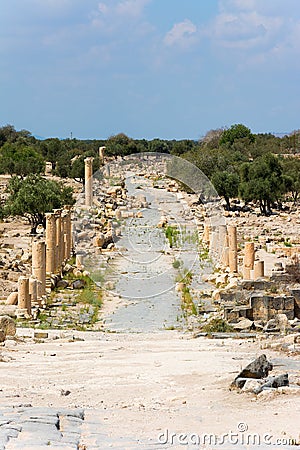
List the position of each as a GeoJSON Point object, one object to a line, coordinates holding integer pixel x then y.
{"type": "Point", "coordinates": [32, 428]}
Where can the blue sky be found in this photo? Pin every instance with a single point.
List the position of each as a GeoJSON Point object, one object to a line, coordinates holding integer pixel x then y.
{"type": "Point", "coordinates": [171, 69]}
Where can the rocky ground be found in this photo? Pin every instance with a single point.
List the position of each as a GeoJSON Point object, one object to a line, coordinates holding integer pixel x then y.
{"type": "Point", "coordinates": [66, 388]}
{"type": "Point", "coordinates": [134, 387]}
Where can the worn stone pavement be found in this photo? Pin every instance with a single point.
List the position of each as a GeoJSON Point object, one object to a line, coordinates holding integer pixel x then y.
{"type": "Point", "coordinates": [33, 428]}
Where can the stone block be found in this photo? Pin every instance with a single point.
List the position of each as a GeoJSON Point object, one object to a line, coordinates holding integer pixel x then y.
{"type": "Point", "coordinates": [289, 303]}
{"type": "Point", "coordinates": [277, 303]}
{"type": "Point", "coordinates": [232, 316]}
{"type": "Point", "coordinates": [12, 299]}
{"type": "Point", "coordinates": [281, 278]}
{"type": "Point", "coordinates": [297, 309]}
{"type": "Point", "coordinates": [290, 314]}
{"type": "Point", "coordinates": [260, 307]}
{"type": "Point", "coordinates": [272, 313]}
{"type": "Point", "coordinates": [295, 293]}
{"type": "Point", "coordinates": [7, 325]}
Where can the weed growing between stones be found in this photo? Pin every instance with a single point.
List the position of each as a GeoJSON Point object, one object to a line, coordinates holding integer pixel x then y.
{"type": "Point", "coordinates": [184, 279]}
{"type": "Point", "coordinates": [172, 235]}
{"type": "Point", "coordinates": [217, 325]}
{"type": "Point", "coordinates": [70, 307]}
{"type": "Point", "coordinates": [177, 264]}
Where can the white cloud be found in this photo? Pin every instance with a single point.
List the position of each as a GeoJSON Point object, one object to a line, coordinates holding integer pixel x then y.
{"type": "Point", "coordinates": [245, 29]}
{"type": "Point", "coordinates": [181, 34]}
{"type": "Point", "coordinates": [133, 8]}
{"type": "Point", "coordinates": [116, 10]}
{"type": "Point", "coordinates": [264, 32]}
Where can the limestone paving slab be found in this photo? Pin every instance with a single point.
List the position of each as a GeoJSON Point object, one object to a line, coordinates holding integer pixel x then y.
{"type": "Point", "coordinates": [33, 428]}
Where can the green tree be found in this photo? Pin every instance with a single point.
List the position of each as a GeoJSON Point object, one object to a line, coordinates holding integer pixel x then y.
{"type": "Point", "coordinates": [77, 168]}
{"type": "Point", "coordinates": [236, 132]}
{"type": "Point", "coordinates": [8, 134]}
{"type": "Point", "coordinates": [180, 147]}
{"type": "Point", "coordinates": [159, 146]}
{"type": "Point", "coordinates": [291, 170]}
{"type": "Point", "coordinates": [226, 184]}
{"type": "Point", "coordinates": [19, 159]}
{"type": "Point", "coordinates": [120, 144]}
{"type": "Point", "coordinates": [262, 180]}
{"type": "Point", "coordinates": [34, 196]}
{"type": "Point", "coordinates": [51, 150]}
{"type": "Point", "coordinates": [63, 165]}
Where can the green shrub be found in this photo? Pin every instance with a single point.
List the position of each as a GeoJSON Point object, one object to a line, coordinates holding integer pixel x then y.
{"type": "Point", "coordinates": [217, 325]}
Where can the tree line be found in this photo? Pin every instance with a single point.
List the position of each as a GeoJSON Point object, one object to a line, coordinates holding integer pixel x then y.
{"type": "Point", "coordinates": [239, 163]}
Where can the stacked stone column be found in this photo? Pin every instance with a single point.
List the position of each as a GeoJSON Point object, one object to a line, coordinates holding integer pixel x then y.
{"type": "Point", "coordinates": [67, 234]}
{"type": "Point", "coordinates": [24, 304]}
{"type": "Point", "coordinates": [223, 242]}
{"type": "Point", "coordinates": [249, 257]}
{"type": "Point", "coordinates": [47, 258]}
{"type": "Point", "coordinates": [59, 240]}
{"type": "Point", "coordinates": [50, 243]}
{"type": "Point", "coordinates": [206, 233]}
{"type": "Point", "coordinates": [232, 253]}
{"type": "Point", "coordinates": [69, 239]}
{"type": "Point", "coordinates": [214, 242]}
{"type": "Point", "coordinates": [34, 291]}
{"type": "Point", "coordinates": [88, 177]}
{"type": "Point", "coordinates": [101, 154]}
{"type": "Point", "coordinates": [259, 269]}
{"type": "Point", "coordinates": [38, 288]}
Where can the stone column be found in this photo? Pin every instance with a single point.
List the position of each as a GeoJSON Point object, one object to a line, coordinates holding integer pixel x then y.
{"type": "Point", "coordinates": [50, 243]}
{"type": "Point", "coordinates": [213, 242]}
{"type": "Point", "coordinates": [64, 236]}
{"type": "Point", "coordinates": [101, 154]}
{"type": "Point", "coordinates": [118, 214]}
{"type": "Point", "coordinates": [70, 235]}
{"type": "Point", "coordinates": [106, 171]}
{"type": "Point", "coordinates": [39, 264]}
{"type": "Point", "coordinates": [88, 177]}
{"type": "Point", "coordinates": [259, 269]}
{"type": "Point", "coordinates": [68, 231]}
{"type": "Point", "coordinates": [225, 257]}
{"type": "Point", "coordinates": [39, 291]}
{"type": "Point", "coordinates": [206, 236]}
{"type": "Point", "coordinates": [232, 244]}
{"type": "Point", "coordinates": [59, 233]}
{"type": "Point", "coordinates": [33, 291]}
{"type": "Point", "coordinates": [66, 242]}
{"type": "Point", "coordinates": [79, 261]}
{"type": "Point", "coordinates": [249, 256]}
{"type": "Point", "coordinates": [24, 304]}
{"type": "Point", "coordinates": [223, 243]}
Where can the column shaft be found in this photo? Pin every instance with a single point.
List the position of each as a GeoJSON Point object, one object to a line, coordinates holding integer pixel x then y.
{"type": "Point", "coordinates": [23, 294]}
{"type": "Point", "coordinates": [249, 257]}
{"type": "Point", "coordinates": [232, 243]}
{"type": "Point", "coordinates": [88, 177]}
{"type": "Point", "coordinates": [39, 263]}
{"type": "Point", "coordinates": [50, 243]}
